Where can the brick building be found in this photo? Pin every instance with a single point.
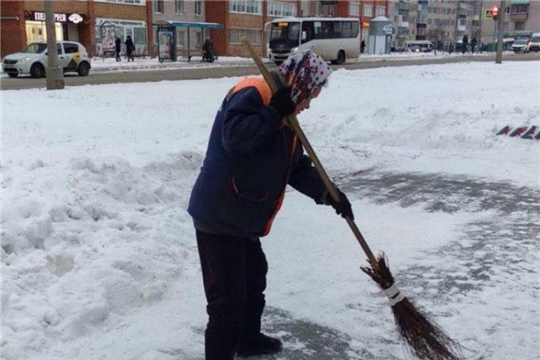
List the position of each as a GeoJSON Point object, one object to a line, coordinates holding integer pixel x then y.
{"type": "Point", "coordinates": [364, 10]}
{"type": "Point", "coordinates": [245, 18]}
{"type": "Point", "coordinates": [91, 22]}
{"type": "Point", "coordinates": [180, 10]}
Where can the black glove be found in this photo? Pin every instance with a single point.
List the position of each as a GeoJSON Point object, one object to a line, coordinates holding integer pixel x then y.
{"type": "Point", "coordinates": [343, 207]}
{"type": "Point", "coordinates": [283, 102]}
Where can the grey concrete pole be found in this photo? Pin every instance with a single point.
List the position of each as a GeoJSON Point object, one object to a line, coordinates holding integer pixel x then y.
{"type": "Point", "coordinates": [54, 73]}
{"type": "Point", "coordinates": [498, 57]}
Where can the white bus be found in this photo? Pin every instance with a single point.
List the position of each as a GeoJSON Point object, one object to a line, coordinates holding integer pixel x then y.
{"type": "Point", "coordinates": [334, 39]}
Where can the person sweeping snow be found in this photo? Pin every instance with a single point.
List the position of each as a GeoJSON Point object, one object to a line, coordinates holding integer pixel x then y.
{"type": "Point", "coordinates": [252, 155]}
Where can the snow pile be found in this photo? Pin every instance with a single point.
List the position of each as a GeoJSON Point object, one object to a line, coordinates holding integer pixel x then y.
{"type": "Point", "coordinates": [98, 253]}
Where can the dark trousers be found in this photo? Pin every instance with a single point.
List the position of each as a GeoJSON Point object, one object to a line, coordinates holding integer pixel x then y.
{"type": "Point", "coordinates": [234, 275]}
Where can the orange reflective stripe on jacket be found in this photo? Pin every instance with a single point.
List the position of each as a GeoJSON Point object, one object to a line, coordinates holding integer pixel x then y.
{"type": "Point", "coordinates": [259, 83]}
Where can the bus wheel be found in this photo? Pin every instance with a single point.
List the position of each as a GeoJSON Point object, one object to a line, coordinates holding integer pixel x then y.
{"type": "Point", "coordinates": [340, 57]}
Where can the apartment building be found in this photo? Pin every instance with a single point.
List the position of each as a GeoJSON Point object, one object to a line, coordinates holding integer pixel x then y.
{"type": "Point", "coordinates": [245, 18]}
{"type": "Point", "coordinates": [522, 18]}
{"type": "Point", "coordinates": [94, 23]}
{"type": "Point", "coordinates": [445, 21]}
{"type": "Point", "coordinates": [180, 10]}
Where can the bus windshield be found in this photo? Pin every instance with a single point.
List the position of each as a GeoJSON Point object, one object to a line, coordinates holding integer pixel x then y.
{"type": "Point", "coordinates": [285, 33]}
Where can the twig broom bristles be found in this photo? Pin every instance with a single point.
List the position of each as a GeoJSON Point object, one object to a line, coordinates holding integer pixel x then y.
{"type": "Point", "coordinates": [426, 340]}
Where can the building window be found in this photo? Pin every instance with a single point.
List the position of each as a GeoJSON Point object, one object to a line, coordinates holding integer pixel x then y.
{"type": "Point", "coordinates": [354, 8]}
{"type": "Point", "coordinates": [281, 9]}
{"type": "Point", "coordinates": [236, 36]}
{"type": "Point", "coordinates": [368, 10]}
{"type": "Point", "coordinates": [158, 6]}
{"type": "Point", "coordinates": [381, 10]}
{"type": "Point", "coordinates": [520, 26]}
{"type": "Point", "coordinates": [198, 7]}
{"type": "Point", "coordinates": [520, 9]}
{"type": "Point", "coordinates": [137, 2]}
{"type": "Point", "coordinates": [246, 6]}
{"type": "Point", "coordinates": [179, 6]}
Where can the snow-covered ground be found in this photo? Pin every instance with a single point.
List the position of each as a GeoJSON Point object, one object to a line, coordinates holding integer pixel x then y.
{"type": "Point", "coordinates": [99, 259]}
{"type": "Point", "coordinates": [144, 63]}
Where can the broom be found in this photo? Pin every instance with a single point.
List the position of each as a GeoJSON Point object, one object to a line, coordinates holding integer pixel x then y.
{"type": "Point", "coordinates": [425, 339]}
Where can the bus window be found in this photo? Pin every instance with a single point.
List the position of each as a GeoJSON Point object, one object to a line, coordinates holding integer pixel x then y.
{"type": "Point", "coordinates": [337, 30]}
{"type": "Point", "coordinates": [327, 30]}
{"type": "Point", "coordinates": [307, 27]}
{"type": "Point", "coordinates": [317, 34]}
{"type": "Point", "coordinates": [285, 31]}
{"type": "Point", "coordinates": [350, 29]}
{"type": "Point", "coordinates": [294, 31]}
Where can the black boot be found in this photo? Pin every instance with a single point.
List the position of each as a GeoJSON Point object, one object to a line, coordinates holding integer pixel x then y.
{"type": "Point", "coordinates": [259, 344]}
{"type": "Point", "coordinates": [219, 345]}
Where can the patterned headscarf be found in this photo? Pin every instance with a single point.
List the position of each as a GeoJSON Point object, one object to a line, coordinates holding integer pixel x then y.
{"type": "Point", "coordinates": [304, 72]}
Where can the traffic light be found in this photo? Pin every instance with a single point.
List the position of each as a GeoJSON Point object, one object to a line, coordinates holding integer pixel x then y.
{"type": "Point", "coordinates": [495, 13]}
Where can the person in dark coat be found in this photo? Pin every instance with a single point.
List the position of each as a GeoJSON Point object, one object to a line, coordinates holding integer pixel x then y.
{"type": "Point", "coordinates": [118, 48]}
{"type": "Point", "coordinates": [130, 48]}
{"type": "Point", "coordinates": [208, 50]}
{"type": "Point", "coordinates": [252, 156]}
{"type": "Point", "coordinates": [465, 43]}
{"type": "Point", "coordinates": [362, 47]}
{"type": "Point", "coordinates": [473, 44]}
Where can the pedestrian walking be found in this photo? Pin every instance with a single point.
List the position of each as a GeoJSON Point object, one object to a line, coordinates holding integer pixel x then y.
{"type": "Point", "coordinates": [208, 50]}
{"type": "Point", "coordinates": [252, 155]}
{"type": "Point", "coordinates": [130, 48]}
{"type": "Point", "coordinates": [117, 48]}
{"type": "Point", "coordinates": [362, 46]}
{"type": "Point", "coordinates": [465, 43]}
{"type": "Point", "coordinates": [473, 44]}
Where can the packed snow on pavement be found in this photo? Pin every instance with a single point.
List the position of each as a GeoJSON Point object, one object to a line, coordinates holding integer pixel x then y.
{"type": "Point", "coordinates": [99, 259]}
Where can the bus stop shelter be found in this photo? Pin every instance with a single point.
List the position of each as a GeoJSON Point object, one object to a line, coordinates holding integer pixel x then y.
{"type": "Point", "coordinates": [167, 38]}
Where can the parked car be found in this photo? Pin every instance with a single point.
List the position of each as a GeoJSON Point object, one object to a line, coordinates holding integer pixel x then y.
{"type": "Point", "coordinates": [534, 45]}
{"type": "Point", "coordinates": [32, 60]}
{"type": "Point", "coordinates": [521, 46]}
{"type": "Point", "coordinates": [420, 46]}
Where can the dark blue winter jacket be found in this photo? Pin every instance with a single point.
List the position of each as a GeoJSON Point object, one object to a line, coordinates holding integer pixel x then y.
{"type": "Point", "coordinates": [250, 159]}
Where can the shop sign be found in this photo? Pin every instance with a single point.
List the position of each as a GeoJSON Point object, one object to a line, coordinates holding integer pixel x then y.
{"type": "Point", "coordinates": [388, 29]}
{"type": "Point", "coordinates": [58, 17]}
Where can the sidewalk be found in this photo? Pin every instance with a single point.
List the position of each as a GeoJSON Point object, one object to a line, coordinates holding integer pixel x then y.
{"type": "Point", "coordinates": [146, 63]}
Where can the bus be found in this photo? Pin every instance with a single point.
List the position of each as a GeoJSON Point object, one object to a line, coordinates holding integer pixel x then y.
{"type": "Point", "coordinates": [333, 39]}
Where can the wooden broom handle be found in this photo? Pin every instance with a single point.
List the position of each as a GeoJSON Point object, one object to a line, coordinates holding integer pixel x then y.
{"type": "Point", "coordinates": [293, 122]}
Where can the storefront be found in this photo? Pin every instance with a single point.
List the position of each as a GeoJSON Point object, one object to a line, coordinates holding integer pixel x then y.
{"type": "Point", "coordinates": [106, 31]}
{"type": "Point", "coordinates": [66, 25]}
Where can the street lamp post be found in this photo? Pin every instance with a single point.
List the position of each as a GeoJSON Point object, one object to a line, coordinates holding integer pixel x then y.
{"type": "Point", "coordinates": [54, 72]}
{"type": "Point", "coordinates": [498, 57]}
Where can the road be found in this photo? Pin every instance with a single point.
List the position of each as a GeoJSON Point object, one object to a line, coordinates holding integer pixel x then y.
{"type": "Point", "coordinates": [209, 71]}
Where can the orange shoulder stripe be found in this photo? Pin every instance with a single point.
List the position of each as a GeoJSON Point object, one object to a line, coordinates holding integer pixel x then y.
{"type": "Point", "coordinates": [259, 83]}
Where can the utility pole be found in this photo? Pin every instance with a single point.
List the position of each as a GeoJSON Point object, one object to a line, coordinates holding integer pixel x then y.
{"type": "Point", "coordinates": [54, 72]}
{"type": "Point", "coordinates": [498, 57]}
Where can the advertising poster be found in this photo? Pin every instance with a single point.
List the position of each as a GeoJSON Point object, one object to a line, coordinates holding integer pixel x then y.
{"type": "Point", "coordinates": [107, 40]}
{"type": "Point", "coordinates": [166, 44]}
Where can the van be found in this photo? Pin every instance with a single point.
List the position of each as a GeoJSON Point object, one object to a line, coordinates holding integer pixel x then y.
{"type": "Point", "coordinates": [32, 60]}
{"type": "Point", "coordinates": [534, 45]}
{"type": "Point", "coordinates": [420, 46]}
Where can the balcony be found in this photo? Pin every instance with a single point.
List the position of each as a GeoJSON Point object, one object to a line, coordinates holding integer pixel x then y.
{"type": "Point", "coordinates": [403, 7]}
{"type": "Point", "coordinates": [519, 17]}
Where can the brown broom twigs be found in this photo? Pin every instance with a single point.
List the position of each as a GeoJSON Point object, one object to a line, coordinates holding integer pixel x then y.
{"type": "Point", "coordinates": [425, 339]}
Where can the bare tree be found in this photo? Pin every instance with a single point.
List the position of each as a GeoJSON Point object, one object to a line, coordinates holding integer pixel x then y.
{"type": "Point", "coordinates": [437, 36]}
